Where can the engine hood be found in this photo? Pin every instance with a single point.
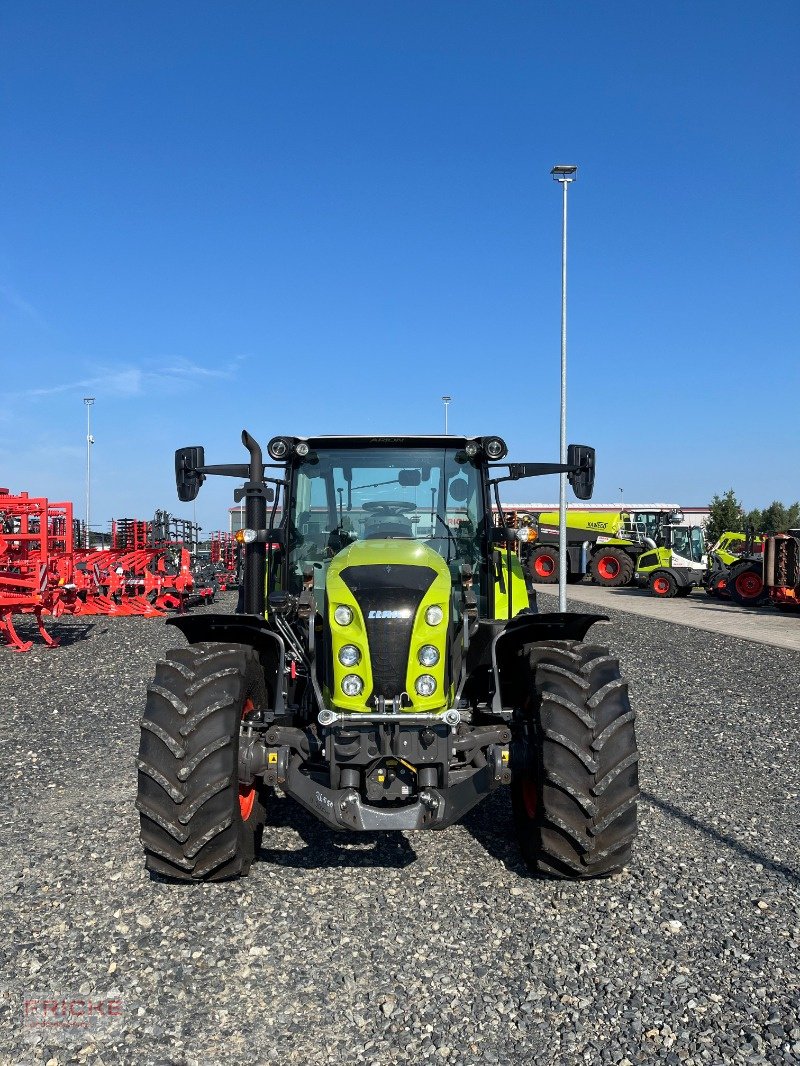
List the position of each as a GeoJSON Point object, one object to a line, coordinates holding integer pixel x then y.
{"type": "Point", "coordinates": [388, 585]}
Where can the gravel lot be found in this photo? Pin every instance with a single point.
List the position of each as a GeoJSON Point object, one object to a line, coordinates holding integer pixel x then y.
{"type": "Point", "coordinates": [418, 947]}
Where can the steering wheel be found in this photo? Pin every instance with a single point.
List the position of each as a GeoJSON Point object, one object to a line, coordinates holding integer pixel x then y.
{"type": "Point", "coordinates": [394, 508]}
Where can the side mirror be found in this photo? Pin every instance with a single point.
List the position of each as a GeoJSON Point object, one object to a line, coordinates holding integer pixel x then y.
{"type": "Point", "coordinates": [581, 480]}
{"type": "Point", "coordinates": [188, 479]}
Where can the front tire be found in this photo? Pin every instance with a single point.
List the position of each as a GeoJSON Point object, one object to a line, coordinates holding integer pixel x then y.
{"type": "Point", "coordinates": [197, 822]}
{"type": "Point", "coordinates": [574, 764]}
{"type": "Point", "coordinates": [663, 585]}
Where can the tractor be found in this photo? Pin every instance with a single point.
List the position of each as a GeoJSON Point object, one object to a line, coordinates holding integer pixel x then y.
{"type": "Point", "coordinates": [387, 667]}
{"type": "Point", "coordinates": [735, 569]}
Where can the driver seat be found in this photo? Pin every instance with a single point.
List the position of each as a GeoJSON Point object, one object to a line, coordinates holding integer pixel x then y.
{"type": "Point", "coordinates": [380, 526]}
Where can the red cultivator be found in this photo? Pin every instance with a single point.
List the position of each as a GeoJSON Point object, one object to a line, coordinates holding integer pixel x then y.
{"type": "Point", "coordinates": [43, 573]}
{"type": "Point", "coordinates": [36, 559]}
{"type": "Point", "coordinates": [224, 559]}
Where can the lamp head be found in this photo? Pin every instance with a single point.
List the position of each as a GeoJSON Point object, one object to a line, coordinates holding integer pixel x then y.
{"type": "Point", "coordinates": [564, 173]}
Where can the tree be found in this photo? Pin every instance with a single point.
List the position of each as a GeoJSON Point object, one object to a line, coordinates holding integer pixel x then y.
{"type": "Point", "coordinates": [725, 513]}
{"type": "Point", "coordinates": [777, 517]}
{"type": "Point", "coordinates": [754, 520]}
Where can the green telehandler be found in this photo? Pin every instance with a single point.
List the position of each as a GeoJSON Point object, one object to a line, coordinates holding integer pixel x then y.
{"type": "Point", "coordinates": [388, 669]}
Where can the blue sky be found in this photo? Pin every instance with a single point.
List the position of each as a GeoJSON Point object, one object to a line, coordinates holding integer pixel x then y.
{"type": "Point", "coordinates": [316, 217]}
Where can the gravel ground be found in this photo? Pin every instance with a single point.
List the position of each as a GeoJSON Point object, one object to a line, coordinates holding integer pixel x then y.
{"type": "Point", "coordinates": [417, 947]}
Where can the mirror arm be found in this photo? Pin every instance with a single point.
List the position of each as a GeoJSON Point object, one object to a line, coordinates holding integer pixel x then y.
{"type": "Point", "coordinates": [226, 470]}
{"type": "Point", "coordinates": [522, 470]}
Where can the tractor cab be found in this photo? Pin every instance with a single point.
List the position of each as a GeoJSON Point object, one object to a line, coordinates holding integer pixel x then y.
{"type": "Point", "coordinates": [353, 494]}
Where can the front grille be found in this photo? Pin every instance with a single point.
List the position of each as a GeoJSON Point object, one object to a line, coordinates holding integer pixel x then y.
{"type": "Point", "coordinates": [384, 590]}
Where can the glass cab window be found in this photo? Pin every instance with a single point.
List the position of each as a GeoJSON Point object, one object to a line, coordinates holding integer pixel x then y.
{"type": "Point", "coordinates": [688, 543]}
{"type": "Point", "coordinates": [648, 522]}
{"type": "Point", "coordinates": [698, 544]}
{"type": "Point", "coordinates": [342, 495]}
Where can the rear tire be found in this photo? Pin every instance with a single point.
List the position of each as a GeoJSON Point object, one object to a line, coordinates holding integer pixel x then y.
{"type": "Point", "coordinates": [611, 567]}
{"type": "Point", "coordinates": [543, 565]}
{"type": "Point", "coordinates": [746, 585]}
{"type": "Point", "coordinates": [574, 764]}
{"type": "Point", "coordinates": [663, 585]}
{"type": "Point", "coordinates": [197, 823]}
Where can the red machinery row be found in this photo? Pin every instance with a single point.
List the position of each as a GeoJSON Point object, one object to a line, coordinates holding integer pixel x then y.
{"type": "Point", "coordinates": [43, 572]}
{"type": "Point", "coordinates": [225, 559]}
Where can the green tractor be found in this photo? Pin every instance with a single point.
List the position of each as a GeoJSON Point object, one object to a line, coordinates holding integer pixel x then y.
{"type": "Point", "coordinates": [388, 668]}
{"type": "Point", "coordinates": [735, 569]}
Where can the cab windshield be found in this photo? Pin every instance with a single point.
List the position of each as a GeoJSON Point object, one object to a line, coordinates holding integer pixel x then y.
{"type": "Point", "coordinates": [348, 494]}
{"type": "Point", "coordinates": [688, 543]}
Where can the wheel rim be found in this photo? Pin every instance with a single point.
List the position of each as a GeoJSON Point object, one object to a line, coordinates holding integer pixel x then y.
{"type": "Point", "coordinates": [748, 585]}
{"type": "Point", "coordinates": [661, 586]}
{"type": "Point", "coordinates": [530, 797]}
{"type": "Point", "coordinates": [544, 566]}
{"type": "Point", "coordinates": [608, 567]}
{"type": "Point", "coordinates": [247, 793]}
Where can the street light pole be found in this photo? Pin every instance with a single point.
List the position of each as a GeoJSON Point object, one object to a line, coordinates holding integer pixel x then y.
{"type": "Point", "coordinates": [88, 401]}
{"type": "Point", "coordinates": [564, 175]}
{"type": "Point", "coordinates": [446, 400]}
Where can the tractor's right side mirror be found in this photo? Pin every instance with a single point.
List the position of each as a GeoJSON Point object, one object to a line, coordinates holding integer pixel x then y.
{"type": "Point", "coordinates": [188, 478]}
{"type": "Point", "coordinates": [582, 479]}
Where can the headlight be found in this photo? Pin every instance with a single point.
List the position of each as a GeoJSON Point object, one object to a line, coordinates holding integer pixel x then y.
{"type": "Point", "coordinates": [349, 655]}
{"type": "Point", "coordinates": [352, 685]}
{"type": "Point", "coordinates": [278, 448]}
{"type": "Point", "coordinates": [248, 536]}
{"type": "Point", "coordinates": [428, 655]}
{"type": "Point", "coordinates": [524, 534]}
{"type": "Point", "coordinates": [425, 685]}
{"type": "Point", "coordinates": [343, 615]}
{"type": "Point", "coordinates": [301, 448]}
{"type": "Point", "coordinates": [434, 615]}
{"type": "Point", "coordinates": [495, 448]}
{"type": "Point", "coordinates": [471, 449]}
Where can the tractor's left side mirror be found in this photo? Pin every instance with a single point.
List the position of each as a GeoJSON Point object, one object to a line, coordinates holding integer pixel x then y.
{"type": "Point", "coordinates": [582, 479]}
{"type": "Point", "coordinates": [188, 478]}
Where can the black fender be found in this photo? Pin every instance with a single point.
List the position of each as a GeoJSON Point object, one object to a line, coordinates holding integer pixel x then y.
{"type": "Point", "coordinates": [494, 669]}
{"type": "Point", "coordinates": [510, 682]}
{"type": "Point", "coordinates": [241, 629]}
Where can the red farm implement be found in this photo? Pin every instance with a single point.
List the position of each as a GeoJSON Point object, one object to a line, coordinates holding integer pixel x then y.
{"type": "Point", "coordinates": [43, 572]}
{"type": "Point", "coordinates": [224, 559]}
{"type": "Point", "coordinates": [36, 564]}
{"type": "Point", "coordinates": [144, 581]}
